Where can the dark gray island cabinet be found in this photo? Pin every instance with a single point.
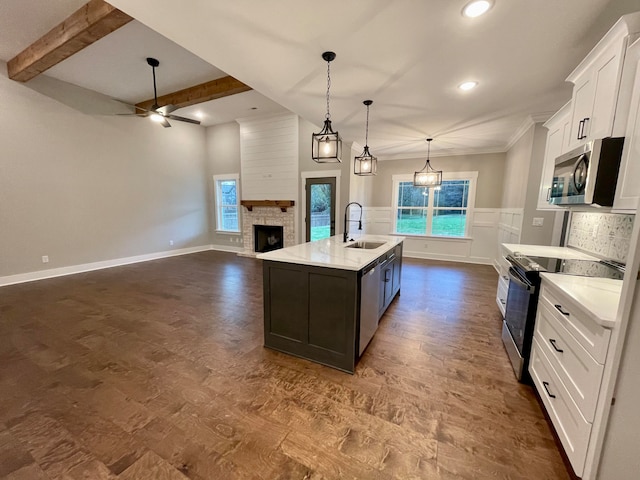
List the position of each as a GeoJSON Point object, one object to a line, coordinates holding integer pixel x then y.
{"type": "Point", "coordinates": [323, 300]}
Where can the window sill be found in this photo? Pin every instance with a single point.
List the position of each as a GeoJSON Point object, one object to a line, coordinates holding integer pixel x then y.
{"type": "Point", "coordinates": [432, 237]}
{"type": "Point", "coordinates": [229, 232]}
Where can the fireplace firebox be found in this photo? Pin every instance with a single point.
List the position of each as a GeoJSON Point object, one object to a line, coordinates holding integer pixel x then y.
{"type": "Point", "coordinates": [268, 237]}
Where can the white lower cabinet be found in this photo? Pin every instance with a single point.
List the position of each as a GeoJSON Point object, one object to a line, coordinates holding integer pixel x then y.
{"type": "Point", "coordinates": [578, 371]}
{"type": "Point", "coordinates": [567, 365]}
{"type": "Point", "coordinates": [572, 428]}
{"type": "Point", "coordinates": [503, 284]}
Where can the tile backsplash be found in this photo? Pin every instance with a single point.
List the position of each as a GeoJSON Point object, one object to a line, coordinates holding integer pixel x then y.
{"type": "Point", "coordinates": [603, 234]}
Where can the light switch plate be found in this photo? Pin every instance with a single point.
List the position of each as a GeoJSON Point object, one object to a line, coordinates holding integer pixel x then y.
{"type": "Point", "coordinates": [538, 221]}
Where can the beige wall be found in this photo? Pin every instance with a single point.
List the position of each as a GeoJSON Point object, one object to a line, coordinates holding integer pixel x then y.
{"type": "Point", "coordinates": [84, 189]}
{"type": "Point", "coordinates": [523, 168]}
{"type": "Point", "coordinates": [490, 168]}
{"type": "Point", "coordinates": [515, 171]}
{"type": "Point", "coordinates": [223, 156]}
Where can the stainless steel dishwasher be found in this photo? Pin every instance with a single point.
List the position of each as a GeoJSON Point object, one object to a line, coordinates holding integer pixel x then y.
{"type": "Point", "coordinates": [369, 292]}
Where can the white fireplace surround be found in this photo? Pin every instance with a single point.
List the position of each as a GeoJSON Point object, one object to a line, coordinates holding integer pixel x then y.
{"type": "Point", "coordinates": [267, 216]}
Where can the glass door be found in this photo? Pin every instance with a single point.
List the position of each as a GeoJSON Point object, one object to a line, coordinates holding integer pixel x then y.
{"type": "Point", "coordinates": [320, 215]}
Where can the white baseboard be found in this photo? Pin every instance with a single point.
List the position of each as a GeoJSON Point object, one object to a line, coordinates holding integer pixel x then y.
{"type": "Point", "coordinates": [225, 248]}
{"type": "Point", "coordinates": [88, 267]}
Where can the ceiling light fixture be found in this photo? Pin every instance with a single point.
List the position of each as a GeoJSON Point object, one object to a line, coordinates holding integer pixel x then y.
{"type": "Point", "coordinates": [468, 86]}
{"type": "Point", "coordinates": [476, 8]}
{"type": "Point", "coordinates": [366, 164]}
{"type": "Point", "coordinates": [427, 177]}
{"type": "Point", "coordinates": [326, 146]}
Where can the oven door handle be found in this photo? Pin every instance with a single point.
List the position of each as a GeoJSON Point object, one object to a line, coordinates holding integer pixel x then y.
{"type": "Point", "coordinates": [515, 277]}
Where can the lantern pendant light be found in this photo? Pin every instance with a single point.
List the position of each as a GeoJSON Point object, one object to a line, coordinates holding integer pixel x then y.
{"type": "Point", "coordinates": [327, 145]}
{"type": "Point", "coordinates": [366, 164]}
{"type": "Point", "coordinates": [427, 177]}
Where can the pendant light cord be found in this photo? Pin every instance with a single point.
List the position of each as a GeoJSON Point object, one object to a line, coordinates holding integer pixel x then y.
{"type": "Point", "coordinates": [428, 154]}
{"type": "Point", "coordinates": [328, 115]}
{"type": "Point", "coordinates": [366, 135]}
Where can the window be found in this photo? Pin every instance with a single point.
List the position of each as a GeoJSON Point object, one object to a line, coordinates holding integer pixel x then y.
{"type": "Point", "coordinates": [442, 211]}
{"type": "Point", "coordinates": [227, 203]}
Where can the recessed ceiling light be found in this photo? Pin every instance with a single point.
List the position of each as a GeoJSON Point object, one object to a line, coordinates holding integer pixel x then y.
{"type": "Point", "coordinates": [468, 86]}
{"type": "Point", "coordinates": [199, 115]}
{"type": "Point", "coordinates": [476, 8]}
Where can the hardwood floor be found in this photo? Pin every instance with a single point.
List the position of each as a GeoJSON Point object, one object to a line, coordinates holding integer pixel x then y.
{"type": "Point", "coordinates": [157, 371]}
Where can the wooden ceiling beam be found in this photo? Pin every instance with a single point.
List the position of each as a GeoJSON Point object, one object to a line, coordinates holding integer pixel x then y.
{"type": "Point", "coordinates": [218, 88]}
{"type": "Point", "coordinates": [87, 25]}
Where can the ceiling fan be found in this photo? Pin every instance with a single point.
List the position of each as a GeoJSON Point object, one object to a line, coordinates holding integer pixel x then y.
{"type": "Point", "coordinates": [161, 114]}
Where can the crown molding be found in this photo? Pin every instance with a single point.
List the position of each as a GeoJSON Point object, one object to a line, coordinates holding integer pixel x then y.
{"type": "Point", "coordinates": [526, 124]}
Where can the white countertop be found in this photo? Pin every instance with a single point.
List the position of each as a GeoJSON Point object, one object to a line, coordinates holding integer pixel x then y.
{"type": "Point", "coordinates": [331, 252]}
{"type": "Point", "coordinates": [600, 296]}
{"type": "Point", "coordinates": [545, 251]}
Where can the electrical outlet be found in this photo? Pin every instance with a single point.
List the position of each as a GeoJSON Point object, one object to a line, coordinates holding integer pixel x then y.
{"type": "Point", "coordinates": [45, 259]}
{"type": "Point", "coordinates": [171, 243]}
{"type": "Point", "coordinates": [538, 221]}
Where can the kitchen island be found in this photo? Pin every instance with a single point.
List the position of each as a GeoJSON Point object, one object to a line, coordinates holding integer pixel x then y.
{"type": "Point", "coordinates": [323, 299]}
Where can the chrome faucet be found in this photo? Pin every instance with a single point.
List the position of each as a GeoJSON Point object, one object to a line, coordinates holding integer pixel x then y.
{"type": "Point", "coordinates": [346, 222]}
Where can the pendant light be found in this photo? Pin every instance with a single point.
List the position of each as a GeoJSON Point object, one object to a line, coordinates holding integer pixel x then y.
{"type": "Point", "coordinates": [327, 145]}
{"type": "Point", "coordinates": [427, 177]}
{"type": "Point", "coordinates": [366, 164]}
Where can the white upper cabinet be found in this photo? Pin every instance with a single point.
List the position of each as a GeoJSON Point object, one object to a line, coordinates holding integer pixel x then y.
{"type": "Point", "coordinates": [557, 138]}
{"type": "Point", "coordinates": [628, 188]}
{"type": "Point", "coordinates": [596, 109]}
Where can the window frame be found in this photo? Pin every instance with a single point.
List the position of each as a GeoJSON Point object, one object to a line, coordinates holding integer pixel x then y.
{"type": "Point", "coordinates": [472, 177]}
{"type": "Point", "coordinates": [218, 201]}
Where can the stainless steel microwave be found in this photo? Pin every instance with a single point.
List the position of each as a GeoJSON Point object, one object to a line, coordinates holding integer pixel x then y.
{"type": "Point", "coordinates": [588, 174]}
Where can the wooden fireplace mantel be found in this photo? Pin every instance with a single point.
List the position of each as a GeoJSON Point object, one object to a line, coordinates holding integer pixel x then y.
{"type": "Point", "coordinates": [282, 204]}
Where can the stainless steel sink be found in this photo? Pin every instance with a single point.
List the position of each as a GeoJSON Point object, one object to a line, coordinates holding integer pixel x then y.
{"type": "Point", "coordinates": [366, 245]}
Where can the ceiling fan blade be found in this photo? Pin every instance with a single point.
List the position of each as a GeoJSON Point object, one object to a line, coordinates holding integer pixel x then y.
{"type": "Point", "coordinates": [166, 110]}
{"type": "Point", "coordinates": [165, 123]}
{"type": "Point", "coordinates": [183, 119]}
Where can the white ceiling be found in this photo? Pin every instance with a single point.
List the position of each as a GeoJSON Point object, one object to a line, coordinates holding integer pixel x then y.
{"type": "Point", "coordinates": [406, 55]}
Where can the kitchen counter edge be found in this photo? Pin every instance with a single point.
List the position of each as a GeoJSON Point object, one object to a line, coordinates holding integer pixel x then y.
{"type": "Point", "coordinates": [332, 252]}
{"type": "Point", "coordinates": [599, 296]}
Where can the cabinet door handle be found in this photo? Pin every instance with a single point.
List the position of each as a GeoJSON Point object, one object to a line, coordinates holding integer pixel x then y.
{"type": "Point", "coordinates": [503, 302]}
{"type": "Point", "coordinates": [506, 277]}
{"type": "Point", "coordinates": [552, 341]}
{"type": "Point", "coordinates": [580, 127]}
{"type": "Point", "coordinates": [559, 308]}
{"type": "Point", "coordinates": [583, 124]}
{"type": "Point", "coordinates": [386, 276]}
{"type": "Point", "coordinates": [546, 387]}
{"type": "Point", "coordinates": [548, 194]}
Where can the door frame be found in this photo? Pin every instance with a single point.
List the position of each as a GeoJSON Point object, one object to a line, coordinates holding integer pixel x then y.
{"type": "Point", "coordinates": [303, 181]}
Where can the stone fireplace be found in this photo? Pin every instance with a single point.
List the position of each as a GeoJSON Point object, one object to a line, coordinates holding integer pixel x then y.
{"type": "Point", "coordinates": [266, 216]}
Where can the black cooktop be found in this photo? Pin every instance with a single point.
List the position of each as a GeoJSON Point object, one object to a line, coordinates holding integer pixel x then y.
{"type": "Point", "coordinates": [585, 268]}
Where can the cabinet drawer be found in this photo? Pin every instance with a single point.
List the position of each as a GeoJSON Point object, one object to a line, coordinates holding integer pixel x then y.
{"type": "Point", "coordinates": [572, 428]}
{"type": "Point", "coordinates": [579, 372]}
{"type": "Point", "coordinates": [503, 267]}
{"type": "Point", "coordinates": [501, 296]}
{"type": "Point", "coordinates": [593, 337]}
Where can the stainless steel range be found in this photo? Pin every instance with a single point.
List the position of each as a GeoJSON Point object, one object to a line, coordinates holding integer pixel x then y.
{"type": "Point", "coordinates": [522, 299]}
